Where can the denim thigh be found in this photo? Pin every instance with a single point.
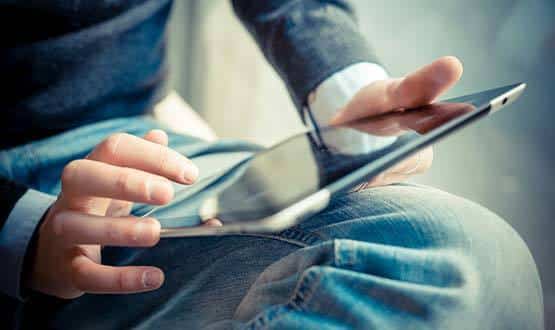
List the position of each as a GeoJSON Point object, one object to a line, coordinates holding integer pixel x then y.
{"type": "Point", "coordinates": [396, 257]}
{"type": "Point", "coordinates": [400, 256]}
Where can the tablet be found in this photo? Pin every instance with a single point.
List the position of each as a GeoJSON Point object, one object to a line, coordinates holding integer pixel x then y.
{"type": "Point", "coordinates": [284, 184]}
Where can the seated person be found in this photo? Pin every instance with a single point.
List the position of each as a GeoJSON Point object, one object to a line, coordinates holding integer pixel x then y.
{"type": "Point", "coordinates": [79, 148]}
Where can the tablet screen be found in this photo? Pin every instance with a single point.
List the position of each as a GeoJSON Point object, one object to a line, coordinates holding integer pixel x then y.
{"type": "Point", "coordinates": [304, 164]}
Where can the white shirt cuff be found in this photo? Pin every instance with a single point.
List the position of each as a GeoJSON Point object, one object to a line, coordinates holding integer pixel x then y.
{"type": "Point", "coordinates": [334, 93]}
{"type": "Point", "coordinates": [15, 236]}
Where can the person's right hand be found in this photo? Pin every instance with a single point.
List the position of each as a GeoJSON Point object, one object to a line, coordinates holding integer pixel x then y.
{"type": "Point", "coordinates": [92, 211]}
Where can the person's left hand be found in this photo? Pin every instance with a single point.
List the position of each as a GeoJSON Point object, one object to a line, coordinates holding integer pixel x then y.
{"type": "Point", "coordinates": [418, 88]}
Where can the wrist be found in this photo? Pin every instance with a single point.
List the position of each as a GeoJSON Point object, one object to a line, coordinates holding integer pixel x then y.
{"type": "Point", "coordinates": [337, 90]}
{"type": "Point", "coordinates": [334, 93]}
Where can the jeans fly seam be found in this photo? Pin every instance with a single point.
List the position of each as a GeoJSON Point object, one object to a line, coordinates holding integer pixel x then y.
{"type": "Point", "coordinates": [274, 237]}
{"type": "Point", "coordinates": [306, 237]}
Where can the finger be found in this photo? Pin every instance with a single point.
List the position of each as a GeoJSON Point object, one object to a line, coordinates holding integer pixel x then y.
{"type": "Point", "coordinates": [80, 228]}
{"type": "Point", "coordinates": [421, 120]}
{"type": "Point", "coordinates": [120, 208]}
{"type": "Point", "coordinates": [90, 178]}
{"type": "Point", "coordinates": [416, 89]}
{"type": "Point", "coordinates": [212, 223]}
{"type": "Point", "coordinates": [385, 180]}
{"type": "Point", "coordinates": [130, 151]}
{"type": "Point", "coordinates": [157, 136]}
{"type": "Point", "coordinates": [91, 277]}
{"type": "Point", "coordinates": [415, 164]}
{"type": "Point", "coordinates": [426, 84]}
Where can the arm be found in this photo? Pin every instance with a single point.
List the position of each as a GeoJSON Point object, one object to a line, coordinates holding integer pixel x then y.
{"type": "Point", "coordinates": [329, 70]}
{"type": "Point", "coordinates": [92, 210]}
{"type": "Point", "coordinates": [20, 212]}
{"type": "Point", "coordinates": [61, 237]}
{"type": "Point", "coordinates": [318, 51]}
{"type": "Point", "coordinates": [305, 41]}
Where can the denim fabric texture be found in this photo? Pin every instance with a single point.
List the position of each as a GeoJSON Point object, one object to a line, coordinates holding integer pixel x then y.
{"type": "Point", "coordinates": [396, 257]}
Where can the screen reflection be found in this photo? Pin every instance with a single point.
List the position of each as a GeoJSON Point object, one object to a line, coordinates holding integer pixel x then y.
{"type": "Point", "coordinates": [303, 164]}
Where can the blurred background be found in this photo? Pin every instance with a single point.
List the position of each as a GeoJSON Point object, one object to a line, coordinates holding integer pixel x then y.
{"type": "Point", "coordinates": [505, 162]}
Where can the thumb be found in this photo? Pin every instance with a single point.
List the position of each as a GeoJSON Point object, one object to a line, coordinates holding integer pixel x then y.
{"type": "Point", "coordinates": [418, 88]}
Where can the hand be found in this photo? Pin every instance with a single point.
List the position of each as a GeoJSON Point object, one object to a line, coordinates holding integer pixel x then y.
{"type": "Point", "coordinates": [93, 210]}
{"type": "Point", "coordinates": [419, 88]}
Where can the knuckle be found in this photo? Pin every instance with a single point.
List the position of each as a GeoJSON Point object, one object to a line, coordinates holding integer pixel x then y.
{"type": "Point", "coordinates": [119, 208]}
{"type": "Point", "coordinates": [163, 158]}
{"type": "Point", "coordinates": [131, 234]}
{"type": "Point", "coordinates": [134, 234]}
{"type": "Point", "coordinates": [57, 223]}
{"type": "Point", "coordinates": [123, 182]}
{"type": "Point", "coordinates": [70, 171]}
{"type": "Point", "coordinates": [126, 280]}
{"type": "Point", "coordinates": [143, 189]}
{"type": "Point", "coordinates": [79, 274]}
{"type": "Point", "coordinates": [112, 231]}
{"type": "Point", "coordinates": [108, 149]}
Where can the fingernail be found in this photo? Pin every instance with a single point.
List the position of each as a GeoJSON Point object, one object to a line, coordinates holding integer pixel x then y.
{"type": "Point", "coordinates": [160, 191]}
{"type": "Point", "coordinates": [152, 278]}
{"type": "Point", "coordinates": [213, 223]}
{"type": "Point", "coordinates": [190, 172]}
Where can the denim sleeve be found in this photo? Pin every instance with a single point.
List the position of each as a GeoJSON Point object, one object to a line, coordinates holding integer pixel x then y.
{"type": "Point", "coordinates": [16, 235]}
{"type": "Point", "coordinates": [305, 41]}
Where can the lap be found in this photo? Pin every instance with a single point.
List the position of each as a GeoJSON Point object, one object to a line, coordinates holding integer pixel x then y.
{"type": "Point", "coordinates": [390, 257]}
{"type": "Point", "coordinates": [402, 256]}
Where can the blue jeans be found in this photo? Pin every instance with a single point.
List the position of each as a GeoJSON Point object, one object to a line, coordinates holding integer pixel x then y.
{"type": "Point", "coordinates": [396, 257]}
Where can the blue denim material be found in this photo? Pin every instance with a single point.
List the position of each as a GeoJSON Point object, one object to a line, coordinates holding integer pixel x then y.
{"type": "Point", "coordinates": [396, 257]}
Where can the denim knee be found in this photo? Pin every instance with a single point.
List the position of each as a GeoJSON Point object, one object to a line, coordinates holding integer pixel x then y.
{"type": "Point", "coordinates": [362, 285]}
{"type": "Point", "coordinates": [424, 236]}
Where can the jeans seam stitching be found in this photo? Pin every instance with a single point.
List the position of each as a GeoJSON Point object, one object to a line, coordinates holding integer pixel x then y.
{"type": "Point", "coordinates": [278, 238]}
{"type": "Point", "coordinates": [309, 276]}
{"type": "Point", "coordinates": [307, 237]}
{"type": "Point", "coordinates": [310, 289]}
